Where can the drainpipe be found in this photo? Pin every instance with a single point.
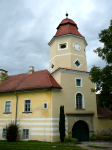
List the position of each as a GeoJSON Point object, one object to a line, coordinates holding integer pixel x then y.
{"type": "Point", "coordinates": [16, 108]}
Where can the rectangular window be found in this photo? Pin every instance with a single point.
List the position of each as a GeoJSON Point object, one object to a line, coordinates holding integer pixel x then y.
{"type": "Point", "coordinates": [78, 82]}
{"type": "Point", "coordinates": [27, 105]}
{"type": "Point", "coordinates": [45, 105]}
{"type": "Point", "coordinates": [4, 131]}
{"type": "Point", "coordinates": [25, 134]}
{"type": "Point", "coordinates": [7, 106]}
{"type": "Point", "coordinates": [62, 46]}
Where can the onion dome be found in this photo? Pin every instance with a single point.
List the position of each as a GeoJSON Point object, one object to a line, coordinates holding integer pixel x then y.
{"type": "Point", "coordinates": [67, 26]}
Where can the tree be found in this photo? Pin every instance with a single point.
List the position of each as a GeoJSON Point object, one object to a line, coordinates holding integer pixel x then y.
{"type": "Point", "coordinates": [62, 124]}
{"type": "Point", "coordinates": [103, 77]}
{"type": "Point", "coordinates": [3, 75]}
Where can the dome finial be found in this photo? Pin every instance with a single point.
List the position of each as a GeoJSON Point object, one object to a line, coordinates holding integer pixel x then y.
{"type": "Point", "coordinates": [66, 14]}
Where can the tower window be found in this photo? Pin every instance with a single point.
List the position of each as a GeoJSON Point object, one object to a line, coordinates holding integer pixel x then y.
{"type": "Point", "coordinates": [78, 82]}
{"type": "Point", "coordinates": [77, 63]}
{"type": "Point", "coordinates": [62, 46]}
{"type": "Point", "coordinates": [85, 51]}
{"type": "Point", "coordinates": [52, 65]}
{"type": "Point", "coordinates": [79, 101]}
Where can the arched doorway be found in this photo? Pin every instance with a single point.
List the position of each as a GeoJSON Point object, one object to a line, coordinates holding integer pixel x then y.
{"type": "Point", "coordinates": [80, 131]}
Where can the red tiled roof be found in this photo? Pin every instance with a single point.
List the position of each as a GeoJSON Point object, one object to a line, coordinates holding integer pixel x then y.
{"type": "Point", "coordinates": [67, 26]}
{"type": "Point", "coordinates": [103, 112]}
{"type": "Point", "coordinates": [37, 80]}
{"type": "Point", "coordinates": [65, 21]}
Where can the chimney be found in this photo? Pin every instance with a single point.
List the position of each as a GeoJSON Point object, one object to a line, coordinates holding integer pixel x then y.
{"type": "Point", "coordinates": [31, 70]}
{"type": "Point", "coordinates": [3, 74]}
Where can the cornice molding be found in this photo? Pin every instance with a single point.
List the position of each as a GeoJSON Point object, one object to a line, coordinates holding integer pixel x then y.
{"type": "Point", "coordinates": [66, 36]}
{"type": "Point", "coordinates": [64, 70]}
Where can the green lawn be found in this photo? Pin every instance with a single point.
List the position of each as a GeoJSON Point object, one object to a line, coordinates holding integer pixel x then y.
{"type": "Point", "coordinates": [36, 145]}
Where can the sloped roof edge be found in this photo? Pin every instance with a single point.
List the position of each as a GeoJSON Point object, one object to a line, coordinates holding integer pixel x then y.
{"type": "Point", "coordinates": [21, 82]}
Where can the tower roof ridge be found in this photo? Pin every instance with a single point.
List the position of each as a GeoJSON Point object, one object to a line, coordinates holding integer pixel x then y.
{"type": "Point", "coordinates": [67, 21]}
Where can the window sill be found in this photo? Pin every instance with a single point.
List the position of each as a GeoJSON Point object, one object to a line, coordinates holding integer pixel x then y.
{"type": "Point", "coordinates": [27, 112]}
{"type": "Point", "coordinates": [7, 113]}
{"type": "Point", "coordinates": [78, 86]}
{"type": "Point", "coordinates": [80, 108]}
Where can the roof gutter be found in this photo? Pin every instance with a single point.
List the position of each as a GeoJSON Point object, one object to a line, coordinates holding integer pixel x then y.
{"type": "Point", "coordinates": [28, 90]}
{"type": "Point", "coordinates": [16, 108]}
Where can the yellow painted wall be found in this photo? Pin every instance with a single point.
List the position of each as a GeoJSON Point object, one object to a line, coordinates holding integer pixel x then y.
{"type": "Point", "coordinates": [104, 126]}
{"type": "Point", "coordinates": [66, 96]}
{"type": "Point", "coordinates": [39, 122]}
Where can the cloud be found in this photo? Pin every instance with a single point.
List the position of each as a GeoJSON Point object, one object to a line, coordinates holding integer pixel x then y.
{"type": "Point", "coordinates": [27, 26]}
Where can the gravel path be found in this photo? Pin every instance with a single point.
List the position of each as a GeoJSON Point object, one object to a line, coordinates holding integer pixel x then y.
{"type": "Point", "coordinates": [105, 144]}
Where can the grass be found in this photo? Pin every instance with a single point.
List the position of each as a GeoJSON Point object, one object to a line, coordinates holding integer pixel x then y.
{"type": "Point", "coordinates": [37, 145]}
{"type": "Point", "coordinates": [99, 147]}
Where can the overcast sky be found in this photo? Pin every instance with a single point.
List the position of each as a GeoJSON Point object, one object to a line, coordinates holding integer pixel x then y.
{"type": "Point", "coordinates": [26, 27]}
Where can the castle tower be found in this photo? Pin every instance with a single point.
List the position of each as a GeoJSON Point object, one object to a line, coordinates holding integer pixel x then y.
{"type": "Point", "coordinates": [68, 47]}
{"type": "Point", "coordinates": [68, 67]}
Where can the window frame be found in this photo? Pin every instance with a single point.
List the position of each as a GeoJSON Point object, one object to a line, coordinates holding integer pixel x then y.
{"type": "Point", "coordinates": [83, 102]}
{"type": "Point", "coordinates": [2, 133]}
{"type": "Point", "coordinates": [24, 106]}
{"type": "Point", "coordinates": [43, 105]}
{"type": "Point", "coordinates": [80, 82]}
{"type": "Point", "coordinates": [79, 62]}
{"type": "Point", "coordinates": [25, 135]}
{"type": "Point", "coordinates": [63, 48]}
{"type": "Point", "coordinates": [5, 106]}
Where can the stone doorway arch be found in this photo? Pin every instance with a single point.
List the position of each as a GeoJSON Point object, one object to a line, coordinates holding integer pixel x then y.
{"type": "Point", "coordinates": [80, 131]}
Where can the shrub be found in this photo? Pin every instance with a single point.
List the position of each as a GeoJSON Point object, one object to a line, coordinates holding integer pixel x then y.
{"type": "Point", "coordinates": [100, 137]}
{"type": "Point", "coordinates": [70, 139]}
{"type": "Point", "coordinates": [12, 132]}
{"type": "Point", "coordinates": [93, 137]}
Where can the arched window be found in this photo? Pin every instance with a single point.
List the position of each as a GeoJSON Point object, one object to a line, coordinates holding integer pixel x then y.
{"type": "Point", "coordinates": [79, 101]}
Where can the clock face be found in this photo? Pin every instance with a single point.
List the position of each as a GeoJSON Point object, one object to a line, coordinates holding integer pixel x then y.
{"type": "Point", "coordinates": [76, 46]}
